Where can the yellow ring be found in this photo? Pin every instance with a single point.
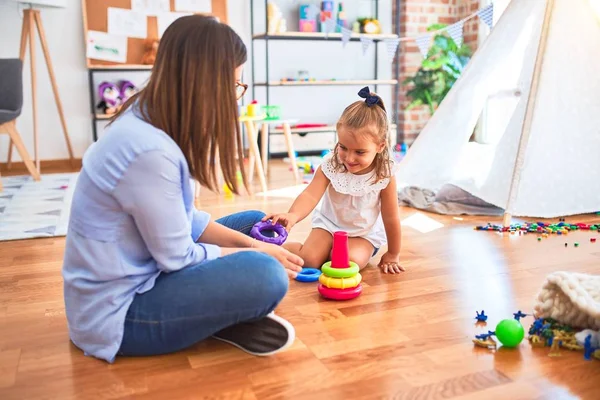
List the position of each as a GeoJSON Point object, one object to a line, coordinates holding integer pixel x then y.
{"type": "Point", "coordinates": [340, 283]}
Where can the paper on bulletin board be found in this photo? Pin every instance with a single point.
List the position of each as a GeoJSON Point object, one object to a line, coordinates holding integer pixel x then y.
{"type": "Point", "coordinates": [165, 19]}
{"type": "Point", "coordinates": [195, 6]}
{"type": "Point", "coordinates": [151, 7]}
{"type": "Point", "coordinates": [122, 22]}
{"type": "Point", "coordinates": [106, 47]}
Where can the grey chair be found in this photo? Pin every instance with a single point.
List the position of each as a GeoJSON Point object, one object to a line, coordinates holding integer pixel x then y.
{"type": "Point", "coordinates": [11, 103]}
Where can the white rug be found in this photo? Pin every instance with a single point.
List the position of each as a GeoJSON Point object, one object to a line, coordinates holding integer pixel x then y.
{"type": "Point", "coordinates": [30, 209]}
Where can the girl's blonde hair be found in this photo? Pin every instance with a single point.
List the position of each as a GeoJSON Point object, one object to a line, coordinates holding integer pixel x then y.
{"type": "Point", "coordinates": [368, 116]}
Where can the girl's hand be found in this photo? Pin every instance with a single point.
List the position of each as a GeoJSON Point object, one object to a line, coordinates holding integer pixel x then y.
{"type": "Point", "coordinates": [291, 262]}
{"type": "Point", "coordinates": [287, 220]}
{"type": "Point", "coordinates": [390, 263]}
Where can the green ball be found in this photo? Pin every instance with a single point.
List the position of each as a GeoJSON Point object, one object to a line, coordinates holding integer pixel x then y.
{"type": "Point", "coordinates": [510, 332]}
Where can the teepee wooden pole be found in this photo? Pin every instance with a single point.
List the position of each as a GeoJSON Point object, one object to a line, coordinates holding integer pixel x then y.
{"type": "Point", "coordinates": [527, 120]}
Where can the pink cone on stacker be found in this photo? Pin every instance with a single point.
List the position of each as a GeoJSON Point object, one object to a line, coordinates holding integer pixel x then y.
{"type": "Point", "coordinates": [340, 252]}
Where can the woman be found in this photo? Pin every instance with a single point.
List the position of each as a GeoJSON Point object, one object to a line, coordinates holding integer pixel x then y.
{"type": "Point", "coordinates": [145, 272]}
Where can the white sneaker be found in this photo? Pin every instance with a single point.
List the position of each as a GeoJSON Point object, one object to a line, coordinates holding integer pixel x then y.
{"type": "Point", "coordinates": [263, 337]}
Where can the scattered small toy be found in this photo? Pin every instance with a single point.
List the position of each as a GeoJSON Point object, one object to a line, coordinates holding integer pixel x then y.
{"type": "Point", "coordinates": [509, 332]}
{"type": "Point", "coordinates": [518, 315]}
{"type": "Point", "coordinates": [539, 227]}
{"type": "Point", "coordinates": [549, 332]}
{"type": "Point", "coordinates": [485, 340]}
{"type": "Point", "coordinates": [481, 317]}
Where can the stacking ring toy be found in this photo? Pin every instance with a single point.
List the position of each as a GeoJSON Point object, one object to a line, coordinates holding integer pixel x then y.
{"type": "Point", "coordinates": [340, 272]}
{"type": "Point", "coordinates": [308, 275]}
{"type": "Point", "coordinates": [339, 294]}
{"type": "Point", "coordinates": [340, 283]}
{"type": "Point", "coordinates": [262, 226]}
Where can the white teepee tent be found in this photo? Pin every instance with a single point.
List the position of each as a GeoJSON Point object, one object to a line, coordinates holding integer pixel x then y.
{"type": "Point", "coordinates": [545, 54]}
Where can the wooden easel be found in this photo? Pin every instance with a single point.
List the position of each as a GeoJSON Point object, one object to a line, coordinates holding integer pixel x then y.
{"type": "Point", "coordinates": [32, 18]}
{"type": "Point", "coordinates": [14, 137]}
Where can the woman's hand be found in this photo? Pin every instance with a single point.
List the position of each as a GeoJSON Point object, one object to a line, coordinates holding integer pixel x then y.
{"type": "Point", "coordinates": [287, 220]}
{"type": "Point", "coordinates": [291, 262]}
{"type": "Point", "coordinates": [390, 263]}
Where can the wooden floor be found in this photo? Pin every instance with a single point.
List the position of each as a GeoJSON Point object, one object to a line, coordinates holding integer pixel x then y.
{"type": "Point", "coordinates": [406, 337]}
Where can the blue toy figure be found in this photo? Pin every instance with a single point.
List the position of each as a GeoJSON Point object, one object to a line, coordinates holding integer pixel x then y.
{"type": "Point", "coordinates": [518, 315]}
{"type": "Point", "coordinates": [587, 347]}
{"type": "Point", "coordinates": [481, 317]}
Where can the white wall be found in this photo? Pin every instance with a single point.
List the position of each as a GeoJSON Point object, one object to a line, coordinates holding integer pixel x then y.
{"type": "Point", "coordinates": [64, 32]}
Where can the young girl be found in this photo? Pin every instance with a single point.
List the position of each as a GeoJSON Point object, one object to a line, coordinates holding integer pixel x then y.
{"type": "Point", "coordinates": [356, 183]}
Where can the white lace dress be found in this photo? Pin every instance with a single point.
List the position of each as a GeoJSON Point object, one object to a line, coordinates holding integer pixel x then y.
{"type": "Point", "coordinates": [352, 203]}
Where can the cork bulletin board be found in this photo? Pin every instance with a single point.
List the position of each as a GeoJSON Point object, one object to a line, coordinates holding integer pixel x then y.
{"type": "Point", "coordinates": [95, 18]}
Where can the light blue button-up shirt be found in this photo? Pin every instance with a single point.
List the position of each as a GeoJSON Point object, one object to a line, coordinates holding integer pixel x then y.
{"type": "Point", "coordinates": [132, 218]}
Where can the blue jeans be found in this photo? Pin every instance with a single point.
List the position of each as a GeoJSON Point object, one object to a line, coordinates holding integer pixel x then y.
{"type": "Point", "coordinates": [192, 304]}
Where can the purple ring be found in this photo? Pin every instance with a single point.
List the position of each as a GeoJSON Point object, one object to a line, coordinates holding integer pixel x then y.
{"type": "Point", "coordinates": [260, 227]}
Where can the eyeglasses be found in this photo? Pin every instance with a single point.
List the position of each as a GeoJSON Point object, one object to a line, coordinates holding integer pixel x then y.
{"type": "Point", "coordinates": [240, 89]}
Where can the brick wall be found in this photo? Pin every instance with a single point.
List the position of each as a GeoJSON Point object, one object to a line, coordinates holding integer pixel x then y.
{"type": "Point", "coordinates": [471, 28]}
{"type": "Point", "coordinates": [415, 17]}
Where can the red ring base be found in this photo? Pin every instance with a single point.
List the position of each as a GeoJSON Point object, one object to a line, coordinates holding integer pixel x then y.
{"type": "Point", "coordinates": [339, 294]}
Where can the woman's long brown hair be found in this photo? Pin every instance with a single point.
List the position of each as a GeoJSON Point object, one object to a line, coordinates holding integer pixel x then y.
{"type": "Point", "coordinates": [191, 96]}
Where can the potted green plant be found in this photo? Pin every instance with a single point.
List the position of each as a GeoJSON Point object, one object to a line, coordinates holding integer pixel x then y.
{"type": "Point", "coordinates": [443, 65]}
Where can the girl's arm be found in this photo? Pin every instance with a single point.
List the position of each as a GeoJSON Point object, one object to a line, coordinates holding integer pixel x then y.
{"type": "Point", "coordinates": [310, 197]}
{"type": "Point", "coordinates": [390, 214]}
{"type": "Point", "coordinates": [305, 203]}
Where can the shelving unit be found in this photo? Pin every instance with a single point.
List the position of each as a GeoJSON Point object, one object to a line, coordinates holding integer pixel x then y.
{"type": "Point", "coordinates": [267, 83]}
{"type": "Point", "coordinates": [329, 83]}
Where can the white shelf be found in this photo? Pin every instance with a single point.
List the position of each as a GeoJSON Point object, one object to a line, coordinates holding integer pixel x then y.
{"type": "Point", "coordinates": [321, 36]}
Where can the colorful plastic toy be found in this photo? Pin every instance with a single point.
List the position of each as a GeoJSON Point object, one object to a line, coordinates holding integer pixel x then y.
{"type": "Point", "coordinates": [481, 317]}
{"type": "Point", "coordinates": [510, 332]}
{"type": "Point", "coordinates": [308, 275]}
{"type": "Point", "coordinates": [340, 283]}
{"type": "Point", "coordinates": [518, 315]}
{"type": "Point", "coordinates": [544, 229]}
{"type": "Point", "coordinates": [485, 340]}
{"type": "Point", "coordinates": [340, 278]}
{"type": "Point", "coordinates": [339, 294]}
{"type": "Point", "coordinates": [267, 226]}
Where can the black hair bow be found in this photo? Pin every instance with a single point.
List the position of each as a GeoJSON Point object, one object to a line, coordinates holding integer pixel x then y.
{"type": "Point", "coordinates": [370, 99]}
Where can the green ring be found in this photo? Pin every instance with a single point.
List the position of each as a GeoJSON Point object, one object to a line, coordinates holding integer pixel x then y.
{"type": "Point", "coordinates": [349, 272]}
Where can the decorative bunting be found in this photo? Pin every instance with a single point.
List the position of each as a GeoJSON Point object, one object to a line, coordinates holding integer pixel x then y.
{"type": "Point", "coordinates": [392, 46]}
{"type": "Point", "coordinates": [423, 42]}
{"type": "Point", "coordinates": [346, 34]}
{"type": "Point", "coordinates": [456, 32]}
{"type": "Point", "coordinates": [487, 15]}
{"type": "Point", "coordinates": [330, 26]}
{"type": "Point", "coordinates": [366, 43]}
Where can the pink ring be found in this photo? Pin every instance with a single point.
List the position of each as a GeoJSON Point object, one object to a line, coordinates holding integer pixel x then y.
{"type": "Point", "coordinates": [339, 294]}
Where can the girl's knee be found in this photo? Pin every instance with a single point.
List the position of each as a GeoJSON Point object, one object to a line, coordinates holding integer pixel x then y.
{"type": "Point", "coordinates": [360, 258]}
